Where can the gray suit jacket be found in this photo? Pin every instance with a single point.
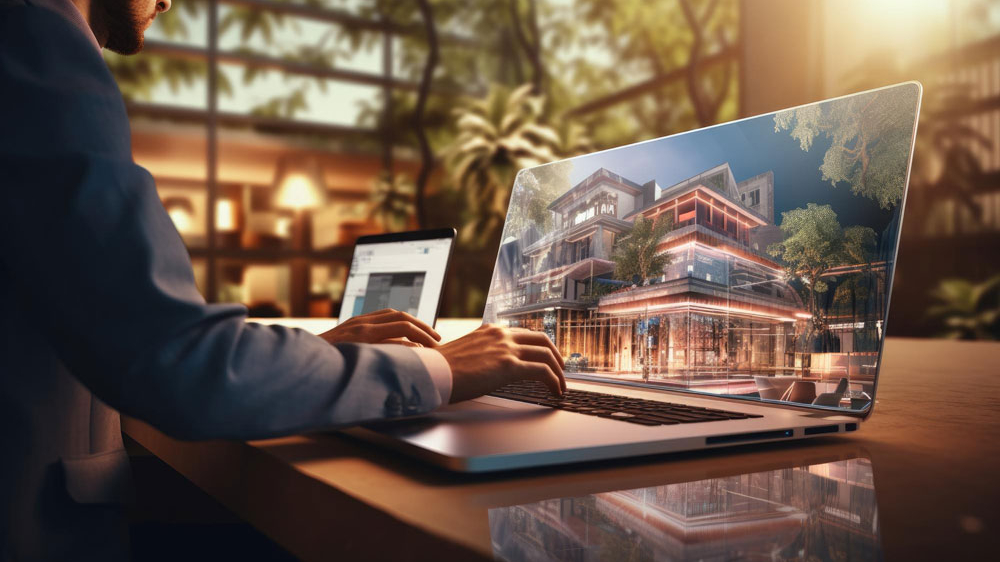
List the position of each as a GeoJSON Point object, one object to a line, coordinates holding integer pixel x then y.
{"type": "Point", "coordinates": [99, 312]}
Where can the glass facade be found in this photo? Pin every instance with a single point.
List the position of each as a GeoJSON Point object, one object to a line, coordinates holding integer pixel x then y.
{"type": "Point", "coordinates": [685, 347]}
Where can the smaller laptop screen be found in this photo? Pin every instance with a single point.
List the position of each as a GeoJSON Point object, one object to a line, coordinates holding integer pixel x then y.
{"type": "Point", "coordinates": [402, 274]}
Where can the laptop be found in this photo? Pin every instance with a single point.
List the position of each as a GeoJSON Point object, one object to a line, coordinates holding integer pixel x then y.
{"type": "Point", "coordinates": [400, 270]}
{"type": "Point", "coordinates": [723, 286]}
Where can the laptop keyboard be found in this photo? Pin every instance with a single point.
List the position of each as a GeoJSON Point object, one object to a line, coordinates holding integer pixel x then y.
{"type": "Point", "coordinates": [632, 410]}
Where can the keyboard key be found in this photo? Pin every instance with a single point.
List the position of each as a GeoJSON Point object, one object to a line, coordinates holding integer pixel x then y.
{"type": "Point", "coordinates": [633, 410]}
{"type": "Point", "coordinates": [641, 421]}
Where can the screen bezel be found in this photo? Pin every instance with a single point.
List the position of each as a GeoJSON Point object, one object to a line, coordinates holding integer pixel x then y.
{"type": "Point", "coordinates": [409, 236]}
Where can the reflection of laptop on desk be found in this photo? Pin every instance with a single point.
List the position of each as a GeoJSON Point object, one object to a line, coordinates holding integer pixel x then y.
{"type": "Point", "coordinates": [401, 270]}
{"type": "Point", "coordinates": [722, 286]}
{"type": "Point", "coordinates": [821, 511]}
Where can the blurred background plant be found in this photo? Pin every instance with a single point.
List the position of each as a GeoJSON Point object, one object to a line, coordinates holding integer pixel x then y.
{"type": "Point", "coordinates": [496, 137]}
{"type": "Point", "coordinates": [970, 311]}
{"type": "Point", "coordinates": [392, 198]}
{"type": "Point", "coordinates": [420, 113]}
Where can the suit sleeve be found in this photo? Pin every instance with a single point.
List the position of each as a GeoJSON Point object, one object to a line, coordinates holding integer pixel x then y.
{"type": "Point", "coordinates": [103, 273]}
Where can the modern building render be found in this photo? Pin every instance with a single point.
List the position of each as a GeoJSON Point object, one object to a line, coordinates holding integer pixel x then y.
{"type": "Point", "coordinates": [720, 313]}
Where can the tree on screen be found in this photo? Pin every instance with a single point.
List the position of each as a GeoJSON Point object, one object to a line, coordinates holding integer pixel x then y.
{"type": "Point", "coordinates": [635, 252]}
{"type": "Point", "coordinates": [814, 243]}
{"type": "Point", "coordinates": [870, 135]}
{"type": "Point", "coordinates": [854, 289]}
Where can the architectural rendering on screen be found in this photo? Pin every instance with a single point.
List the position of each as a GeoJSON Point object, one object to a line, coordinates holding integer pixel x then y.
{"type": "Point", "coordinates": [751, 259]}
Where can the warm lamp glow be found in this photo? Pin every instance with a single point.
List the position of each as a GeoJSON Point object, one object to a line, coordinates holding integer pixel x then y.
{"type": "Point", "coordinates": [283, 227]}
{"type": "Point", "coordinates": [297, 191]}
{"type": "Point", "coordinates": [181, 212]}
{"type": "Point", "coordinates": [298, 183]}
{"type": "Point", "coordinates": [225, 215]}
{"type": "Point", "coordinates": [181, 218]}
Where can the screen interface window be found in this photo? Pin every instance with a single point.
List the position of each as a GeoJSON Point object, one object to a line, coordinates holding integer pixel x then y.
{"type": "Point", "coordinates": [406, 276]}
{"type": "Point", "coordinates": [749, 259]}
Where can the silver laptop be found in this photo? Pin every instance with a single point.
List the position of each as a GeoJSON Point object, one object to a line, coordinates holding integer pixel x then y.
{"type": "Point", "coordinates": [724, 286]}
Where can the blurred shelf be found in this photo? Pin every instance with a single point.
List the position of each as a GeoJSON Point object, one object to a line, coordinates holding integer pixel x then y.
{"type": "Point", "coordinates": [336, 253]}
{"type": "Point", "coordinates": [199, 185]}
{"type": "Point", "coordinates": [268, 124]}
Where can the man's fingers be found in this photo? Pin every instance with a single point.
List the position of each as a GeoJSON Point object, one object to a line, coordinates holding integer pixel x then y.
{"type": "Point", "coordinates": [387, 315]}
{"type": "Point", "coordinates": [527, 337]}
{"type": "Point", "coordinates": [391, 330]}
{"type": "Point", "coordinates": [376, 317]}
{"type": "Point", "coordinates": [542, 373]}
{"type": "Point", "coordinates": [418, 323]}
{"type": "Point", "coordinates": [538, 354]}
{"type": "Point", "coordinates": [401, 341]}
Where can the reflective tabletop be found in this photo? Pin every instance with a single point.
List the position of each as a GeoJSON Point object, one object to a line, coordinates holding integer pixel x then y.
{"type": "Point", "coordinates": [822, 511]}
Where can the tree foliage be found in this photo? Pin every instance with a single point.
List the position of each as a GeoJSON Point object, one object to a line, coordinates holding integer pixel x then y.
{"type": "Point", "coordinates": [635, 252]}
{"type": "Point", "coordinates": [497, 136]}
{"type": "Point", "coordinates": [393, 198]}
{"type": "Point", "coordinates": [648, 40]}
{"type": "Point", "coordinates": [870, 135]}
{"type": "Point", "coordinates": [533, 190]}
{"type": "Point", "coordinates": [859, 249]}
{"type": "Point", "coordinates": [814, 242]}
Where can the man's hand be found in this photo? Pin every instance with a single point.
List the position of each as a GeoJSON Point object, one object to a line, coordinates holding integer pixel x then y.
{"type": "Point", "coordinates": [491, 357]}
{"type": "Point", "coordinates": [384, 326]}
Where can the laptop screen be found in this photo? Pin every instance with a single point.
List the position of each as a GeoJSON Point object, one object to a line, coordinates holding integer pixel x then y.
{"type": "Point", "coordinates": [752, 259]}
{"type": "Point", "coordinates": [404, 271]}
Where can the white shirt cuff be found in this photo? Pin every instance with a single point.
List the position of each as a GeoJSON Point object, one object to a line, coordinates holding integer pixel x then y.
{"type": "Point", "coordinates": [438, 367]}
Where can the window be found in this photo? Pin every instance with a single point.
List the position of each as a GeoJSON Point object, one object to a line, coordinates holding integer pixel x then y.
{"type": "Point", "coordinates": [755, 198]}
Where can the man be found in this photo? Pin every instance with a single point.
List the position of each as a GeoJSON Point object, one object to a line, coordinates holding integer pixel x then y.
{"type": "Point", "coordinates": [98, 306]}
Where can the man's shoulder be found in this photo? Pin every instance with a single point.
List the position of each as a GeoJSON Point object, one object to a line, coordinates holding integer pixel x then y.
{"type": "Point", "coordinates": [55, 88]}
{"type": "Point", "coordinates": [20, 19]}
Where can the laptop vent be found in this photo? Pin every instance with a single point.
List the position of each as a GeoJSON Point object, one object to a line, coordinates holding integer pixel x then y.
{"type": "Point", "coordinates": [741, 437]}
{"type": "Point", "coordinates": [822, 429]}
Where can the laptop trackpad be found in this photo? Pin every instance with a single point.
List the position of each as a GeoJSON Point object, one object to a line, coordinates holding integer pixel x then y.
{"type": "Point", "coordinates": [472, 412]}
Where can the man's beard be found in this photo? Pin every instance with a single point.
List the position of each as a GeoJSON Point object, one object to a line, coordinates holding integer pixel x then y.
{"type": "Point", "coordinates": [125, 27]}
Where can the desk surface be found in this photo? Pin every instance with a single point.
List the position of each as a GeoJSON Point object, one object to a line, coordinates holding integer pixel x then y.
{"type": "Point", "coordinates": [932, 444]}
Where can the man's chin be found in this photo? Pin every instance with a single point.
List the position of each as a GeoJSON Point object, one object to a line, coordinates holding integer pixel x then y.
{"type": "Point", "coordinates": [125, 46]}
{"type": "Point", "coordinates": [125, 35]}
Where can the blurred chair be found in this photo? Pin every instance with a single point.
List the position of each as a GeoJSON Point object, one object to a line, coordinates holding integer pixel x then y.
{"type": "Point", "coordinates": [803, 392]}
{"type": "Point", "coordinates": [832, 398]}
{"type": "Point", "coordinates": [767, 390]}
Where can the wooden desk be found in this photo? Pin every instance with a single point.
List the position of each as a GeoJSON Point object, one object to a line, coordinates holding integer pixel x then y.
{"type": "Point", "coordinates": [933, 443]}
